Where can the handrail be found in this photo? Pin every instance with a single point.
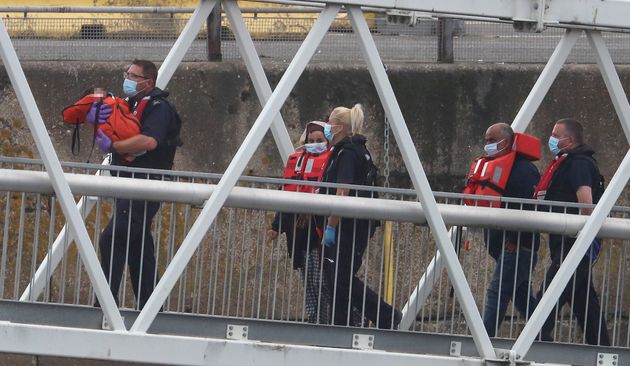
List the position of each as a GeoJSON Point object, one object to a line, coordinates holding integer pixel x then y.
{"type": "Point", "coordinates": [275, 200]}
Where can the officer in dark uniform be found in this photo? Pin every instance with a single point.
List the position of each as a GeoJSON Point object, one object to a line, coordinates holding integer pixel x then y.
{"type": "Point", "coordinates": [128, 234]}
{"type": "Point", "coordinates": [346, 239]}
{"type": "Point", "coordinates": [572, 176]}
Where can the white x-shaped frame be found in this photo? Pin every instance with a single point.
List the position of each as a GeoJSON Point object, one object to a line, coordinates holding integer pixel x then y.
{"type": "Point", "coordinates": [270, 118]}
{"type": "Point", "coordinates": [592, 225]}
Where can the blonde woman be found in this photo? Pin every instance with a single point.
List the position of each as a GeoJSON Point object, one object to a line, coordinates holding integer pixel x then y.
{"type": "Point", "coordinates": [345, 239]}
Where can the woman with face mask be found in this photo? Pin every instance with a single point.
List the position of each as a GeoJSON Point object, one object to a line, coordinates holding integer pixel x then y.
{"type": "Point", "coordinates": [345, 239]}
{"type": "Point", "coordinates": [303, 236]}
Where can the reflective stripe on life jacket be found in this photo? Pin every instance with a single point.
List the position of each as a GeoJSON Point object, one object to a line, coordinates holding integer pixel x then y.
{"type": "Point", "coordinates": [489, 176]}
{"type": "Point", "coordinates": [304, 166]}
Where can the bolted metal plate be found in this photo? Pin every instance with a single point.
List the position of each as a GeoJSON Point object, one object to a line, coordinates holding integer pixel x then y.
{"type": "Point", "coordinates": [456, 349]}
{"type": "Point", "coordinates": [105, 323]}
{"type": "Point", "coordinates": [236, 332]}
{"type": "Point", "coordinates": [607, 359]}
{"type": "Point", "coordinates": [362, 341]}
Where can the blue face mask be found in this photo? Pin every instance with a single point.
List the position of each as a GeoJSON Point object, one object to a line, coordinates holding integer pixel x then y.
{"type": "Point", "coordinates": [328, 132]}
{"type": "Point", "coordinates": [492, 149]}
{"type": "Point", "coordinates": [129, 88]}
{"type": "Point", "coordinates": [316, 147]}
{"type": "Point", "coordinates": [553, 145]}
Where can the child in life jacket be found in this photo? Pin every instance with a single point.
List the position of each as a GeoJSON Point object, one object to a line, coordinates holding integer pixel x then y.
{"type": "Point", "coordinates": [116, 120]}
{"type": "Point", "coordinates": [303, 236]}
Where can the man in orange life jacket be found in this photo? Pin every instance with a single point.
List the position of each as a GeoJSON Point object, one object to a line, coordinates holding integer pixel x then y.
{"type": "Point", "coordinates": [303, 235]}
{"type": "Point", "coordinates": [572, 176]}
{"type": "Point", "coordinates": [153, 148]}
{"type": "Point", "coordinates": [516, 253]}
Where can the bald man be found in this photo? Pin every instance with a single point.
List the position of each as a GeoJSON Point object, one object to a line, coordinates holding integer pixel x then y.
{"type": "Point", "coordinates": [515, 253]}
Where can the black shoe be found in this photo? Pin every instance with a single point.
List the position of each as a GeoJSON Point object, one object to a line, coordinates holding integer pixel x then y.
{"type": "Point", "coordinates": [397, 319]}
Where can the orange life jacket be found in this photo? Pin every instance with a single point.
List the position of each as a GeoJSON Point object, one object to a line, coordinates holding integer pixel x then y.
{"type": "Point", "coordinates": [489, 176]}
{"type": "Point", "coordinates": [121, 125]}
{"type": "Point", "coordinates": [305, 166]}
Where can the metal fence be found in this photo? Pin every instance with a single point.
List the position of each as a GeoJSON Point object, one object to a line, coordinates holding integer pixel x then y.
{"type": "Point", "coordinates": [278, 36]}
{"type": "Point", "coordinates": [239, 271]}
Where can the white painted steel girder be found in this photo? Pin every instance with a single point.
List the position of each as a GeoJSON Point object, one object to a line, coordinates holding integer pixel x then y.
{"type": "Point", "coordinates": [566, 13]}
{"type": "Point", "coordinates": [257, 74]}
{"type": "Point", "coordinates": [185, 39]}
{"type": "Point", "coordinates": [178, 350]}
{"type": "Point", "coordinates": [235, 169]}
{"type": "Point", "coordinates": [611, 79]}
{"type": "Point", "coordinates": [545, 80]}
{"type": "Point", "coordinates": [420, 181]}
{"type": "Point", "coordinates": [53, 167]}
{"type": "Point", "coordinates": [275, 200]}
{"type": "Point", "coordinates": [50, 261]}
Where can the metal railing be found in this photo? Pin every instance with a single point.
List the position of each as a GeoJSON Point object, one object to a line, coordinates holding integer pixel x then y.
{"type": "Point", "coordinates": [150, 32]}
{"type": "Point", "coordinates": [238, 271]}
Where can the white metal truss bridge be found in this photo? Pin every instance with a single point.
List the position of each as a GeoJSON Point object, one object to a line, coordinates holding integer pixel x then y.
{"type": "Point", "coordinates": [151, 337]}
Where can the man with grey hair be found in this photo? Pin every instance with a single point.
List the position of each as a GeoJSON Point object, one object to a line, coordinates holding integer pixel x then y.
{"type": "Point", "coordinates": [515, 253]}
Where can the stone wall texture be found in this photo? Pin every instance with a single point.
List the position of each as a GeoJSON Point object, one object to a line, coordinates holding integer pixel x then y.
{"type": "Point", "coordinates": [446, 107]}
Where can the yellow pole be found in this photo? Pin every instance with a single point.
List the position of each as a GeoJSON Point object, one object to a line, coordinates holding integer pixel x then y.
{"type": "Point", "coordinates": [388, 263]}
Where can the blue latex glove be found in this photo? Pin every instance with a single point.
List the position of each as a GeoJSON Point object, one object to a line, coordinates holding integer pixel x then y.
{"type": "Point", "coordinates": [103, 142]}
{"type": "Point", "coordinates": [330, 236]}
{"type": "Point", "coordinates": [104, 111]}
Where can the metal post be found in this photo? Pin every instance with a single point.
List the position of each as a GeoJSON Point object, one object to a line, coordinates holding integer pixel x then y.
{"type": "Point", "coordinates": [53, 167]}
{"type": "Point", "coordinates": [424, 287]}
{"type": "Point", "coordinates": [236, 167]}
{"type": "Point", "coordinates": [214, 34]}
{"type": "Point", "coordinates": [611, 79]}
{"type": "Point", "coordinates": [185, 39]}
{"type": "Point", "coordinates": [52, 259]}
{"type": "Point", "coordinates": [547, 77]}
{"type": "Point", "coordinates": [446, 30]}
{"type": "Point", "coordinates": [257, 75]}
{"type": "Point", "coordinates": [420, 181]}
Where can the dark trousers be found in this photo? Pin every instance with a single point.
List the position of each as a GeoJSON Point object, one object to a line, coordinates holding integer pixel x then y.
{"type": "Point", "coordinates": [343, 262]}
{"type": "Point", "coordinates": [128, 238]}
{"type": "Point", "coordinates": [586, 307]}
{"type": "Point", "coordinates": [511, 276]}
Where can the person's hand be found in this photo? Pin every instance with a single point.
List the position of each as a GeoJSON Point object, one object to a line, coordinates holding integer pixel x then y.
{"type": "Point", "coordinates": [510, 247]}
{"type": "Point", "coordinates": [104, 111]}
{"type": "Point", "coordinates": [272, 234]}
{"type": "Point", "coordinates": [330, 236]}
{"type": "Point", "coordinates": [103, 142]}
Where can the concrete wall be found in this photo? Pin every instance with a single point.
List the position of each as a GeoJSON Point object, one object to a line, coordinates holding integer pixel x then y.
{"type": "Point", "coordinates": [447, 109]}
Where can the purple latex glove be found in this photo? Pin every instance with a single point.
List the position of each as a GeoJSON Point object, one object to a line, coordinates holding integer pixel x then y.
{"type": "Point", "coordinates": [104, 111]}
{"type": "Point", "coordinates": [103, 142]}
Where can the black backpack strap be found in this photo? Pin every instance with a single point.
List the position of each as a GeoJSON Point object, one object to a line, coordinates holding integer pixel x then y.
{"type": "Point", "coordinates": [360, 152]}
{"type": "Point", "coordinates": [598, 189]}
{"type": "Point", "coordinates": [176, 140]}
{"type": "Point", "coordinates": [76, 140]}
{"type": "Point", "coordinates": [599, 182]}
